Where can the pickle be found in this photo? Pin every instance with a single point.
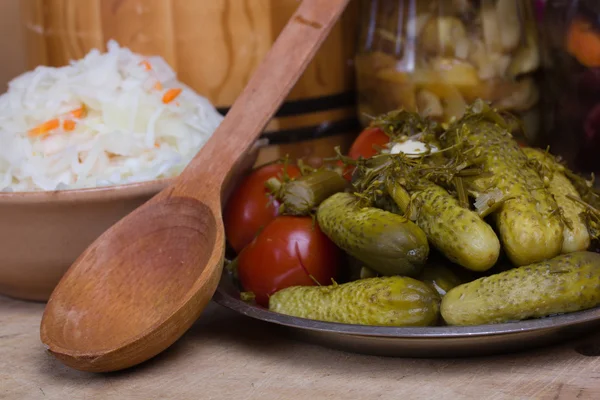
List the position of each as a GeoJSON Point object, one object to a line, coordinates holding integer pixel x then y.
{"type": "Point", "coordinates": [529, 227]}
{"type": "Point", "coordinates": [381, 301]}
{"type": "Point", "coordinates": [567, 283]}
{"type": "Point", "coordinates": [387, 203]}
{"type": "Point", "coordinates": [351, 271]}
{"type": "Point", "coordinates": [585, 188]}
{"type": "Point", "coordinates": [356, 270]}
{"type": "Point", "coordinates": [460, 234]}
{"type": "Point", "coordinates": [385, 242]}
{"type": "Point", "coordinates": [440, 277]}
{"type": "Point", "coordinates": [302, 195]}
{"type": "Point", "coordinates": [575, 233]}
{"type": "Point", "coordinates": [590, 196]}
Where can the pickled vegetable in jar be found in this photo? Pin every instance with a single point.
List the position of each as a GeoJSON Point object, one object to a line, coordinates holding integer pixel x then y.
{"type": "Point", "coordinates": [438, 56]}
{"type": "Point", "coordinates": [571, 31]}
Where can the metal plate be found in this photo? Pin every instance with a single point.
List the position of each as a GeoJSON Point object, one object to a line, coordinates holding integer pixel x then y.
{"type": "Point", "coordinates": [443, 341]}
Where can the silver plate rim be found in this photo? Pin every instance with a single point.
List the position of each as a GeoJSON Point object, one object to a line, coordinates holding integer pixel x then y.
{"type": "Point", "coordinates": [226, 293]}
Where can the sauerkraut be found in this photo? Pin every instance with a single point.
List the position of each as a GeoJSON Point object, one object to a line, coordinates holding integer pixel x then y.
{"type": "Point", "coordinates": [110, 118]}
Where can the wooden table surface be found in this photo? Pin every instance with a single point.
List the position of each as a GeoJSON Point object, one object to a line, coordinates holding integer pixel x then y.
{"type": "Point", "coordinates": [227, 356]}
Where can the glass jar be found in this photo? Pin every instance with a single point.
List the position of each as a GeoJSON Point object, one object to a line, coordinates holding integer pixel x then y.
{"type": "Point", "coordinates": [572, 82]}
{"type": "Point", "coordinates": [438, 56]}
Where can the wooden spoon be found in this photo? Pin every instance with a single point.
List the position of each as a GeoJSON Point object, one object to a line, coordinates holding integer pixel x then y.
{"type": "Point", "coordinates": [145, 281]}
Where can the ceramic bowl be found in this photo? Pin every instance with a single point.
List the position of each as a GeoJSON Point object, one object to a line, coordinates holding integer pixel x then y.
{"type": "Point", "coordinates": [42, 233]}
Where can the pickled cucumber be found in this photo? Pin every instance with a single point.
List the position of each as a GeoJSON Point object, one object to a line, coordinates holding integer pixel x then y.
{"type": "Point", "coordinates": [440, 277]}
{"type": "Point", "coordinates": [385, 242]}
{"type": "Point", "coordinates": [567, 283]}
{"type": "Point", "coordinates": [460, 234]}
{"type": "Point", "coordinates": [381, 301]}
{"type": "Point", "coordinates": [575, 233]}
{"type": "Point", "coordinates": [529, 227]}
{"type": "Point", "coordinates": [302, 195]}
{"type": "Point", "coordinates": [585, 188]}
{"type": "Point", "coordinates": [356, 270]}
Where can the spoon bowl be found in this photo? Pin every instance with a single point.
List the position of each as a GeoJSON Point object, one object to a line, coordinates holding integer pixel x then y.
{"type": "Point", "coordinates": [144, 282]}
{"type": "Point", "coordinates": [176, 239]}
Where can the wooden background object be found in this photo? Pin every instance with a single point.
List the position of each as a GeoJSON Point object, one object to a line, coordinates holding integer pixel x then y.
{"type": "Point", "coordinates": [11, 43]}
{"type": "Point", "coordinates": [214, 46]}
{"type": "Point", "coordinates": [145, 281]}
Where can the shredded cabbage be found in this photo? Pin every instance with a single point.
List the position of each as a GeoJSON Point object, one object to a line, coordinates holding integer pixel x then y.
{"type": "Point", "coordinates": [99, 121]}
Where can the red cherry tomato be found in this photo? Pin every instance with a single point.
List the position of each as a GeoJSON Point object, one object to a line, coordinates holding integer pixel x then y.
{"type": "Point", "coordinates": [366, 143]}
{"type": "Point", "coordinates": [287, 253]}
{"type": "Point", "coordinates": [365, 146]}
{"type": "Point", "coordinates": [250, 206]}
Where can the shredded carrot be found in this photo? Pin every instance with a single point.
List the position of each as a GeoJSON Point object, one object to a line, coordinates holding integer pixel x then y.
{"type": "Point", "coordinates": [45, 128]}
{"type": "Point", "coordinates": [146, 65]}
{"type": "Point", "coordinates": [48, 126]}
{"type": "Point", "coordinates": [81, 112]}
{"type": "Point", "coordinates": [69, 125]}
{"type": "Point", "coordinates": [156, 145]}
{"type": "Point", "coordinates": [171, 95]}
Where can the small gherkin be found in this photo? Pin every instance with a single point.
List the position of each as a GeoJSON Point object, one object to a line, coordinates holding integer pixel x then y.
{"type": "Point", "coordinates": [302, 195]}
{"type": "Point", "coordinates": [529, 227]}
{"type": "Point", "coordinates": [440, 277]}
{"type": "Point", "coordinates": [385, 242]}
{"type": "Point", "coordinates": [459, 233]}
{"type": "Point", "coordinates": [567, 283]}
{"type": "Point", "coordinates": [575, 234]}
{"type": "Point", "coordinates": [380, 301]}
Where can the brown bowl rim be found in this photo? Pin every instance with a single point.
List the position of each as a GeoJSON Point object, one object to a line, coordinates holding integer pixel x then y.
{"type": "Point", "coordinates": [113, 192]}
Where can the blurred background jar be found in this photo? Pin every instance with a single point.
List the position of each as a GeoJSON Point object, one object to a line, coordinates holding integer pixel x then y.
{"type": "Point", "coordinates": [571, 32]}
{"type": "Point", "coordinates": [214, 46]}
{"type": "Point", "coordinates": [438, 56]}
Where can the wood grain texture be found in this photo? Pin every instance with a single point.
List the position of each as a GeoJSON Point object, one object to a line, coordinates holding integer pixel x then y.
{"type": "Point", "coordinates": [34, 26]}
{"type": "Point", "coordinates": [214, 46]}
{"type": "Point", "coordinates": [146, 26]}
{"type": "Point", "coordinates": [11, 43]}
{"type": "Point", "coordinates": [228, 356]}
{"type": "Point", "coordinates": [140, 286]}
{"type": "Point", "coordinates": [60, 30]}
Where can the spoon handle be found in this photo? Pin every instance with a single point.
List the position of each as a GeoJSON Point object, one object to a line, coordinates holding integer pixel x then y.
{"type": "Point", "coordinates": [263, 95]}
